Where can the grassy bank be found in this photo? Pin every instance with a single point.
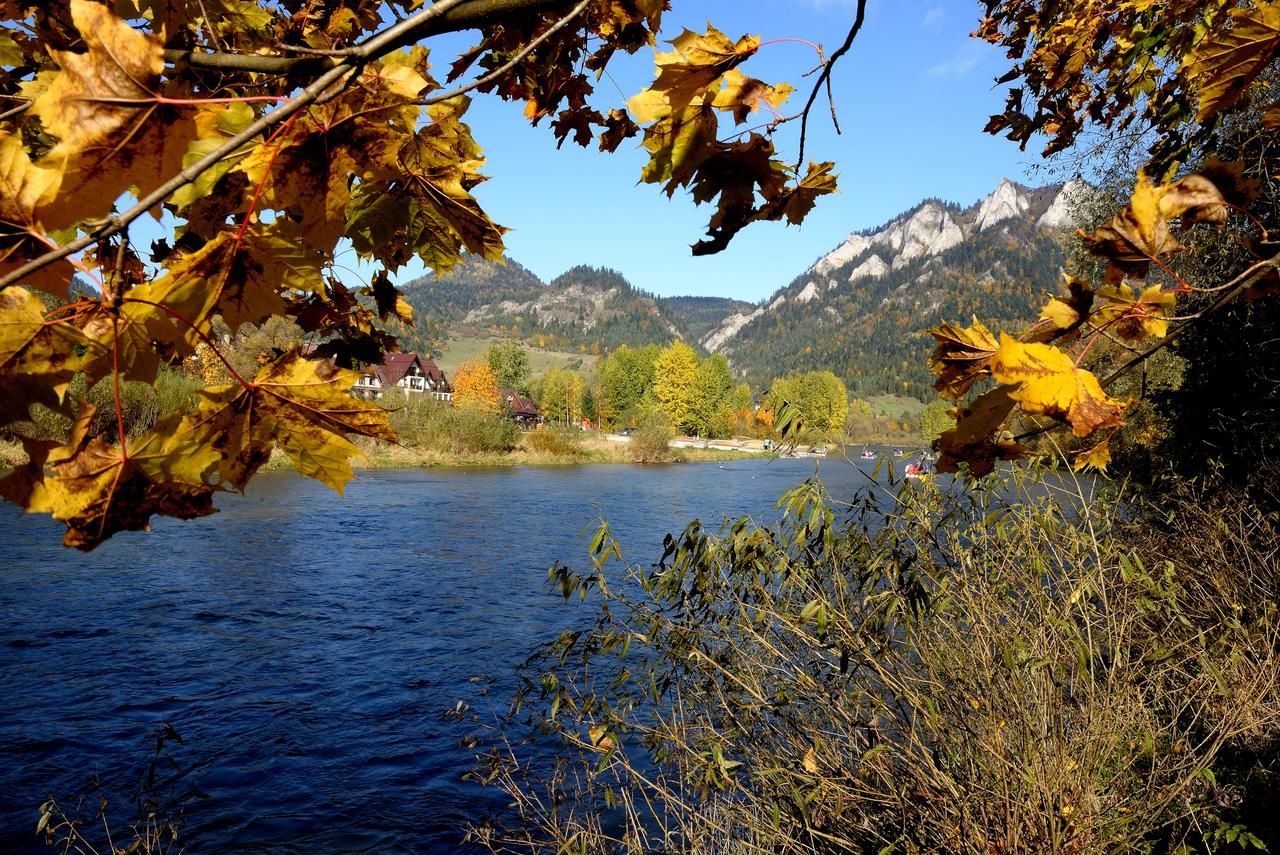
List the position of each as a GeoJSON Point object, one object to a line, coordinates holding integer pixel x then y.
{"type": "Point", "coordinates": [381, 455]}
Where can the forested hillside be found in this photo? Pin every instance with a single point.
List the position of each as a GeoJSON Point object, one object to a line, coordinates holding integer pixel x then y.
{"type": "Point", "coordinates": [701, 315]}
{"type": "Point", "coordinates": [585, 308]}
{"type": "Point", "coordinates": [862, 310]}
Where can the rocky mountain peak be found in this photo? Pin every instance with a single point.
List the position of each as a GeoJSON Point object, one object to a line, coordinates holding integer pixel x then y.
{"type": "Point", "coordinates": [1062, 213]}
{"type": "Point", "coordinates": [929, 230]}
{"type": "Point", "coordinates": [1006, 202]}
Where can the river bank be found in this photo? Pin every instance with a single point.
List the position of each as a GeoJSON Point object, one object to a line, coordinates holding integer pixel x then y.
{"type": "Point", "coordinates": [590, 449]}
{"type": "Point", "coordinates": [593, 448]}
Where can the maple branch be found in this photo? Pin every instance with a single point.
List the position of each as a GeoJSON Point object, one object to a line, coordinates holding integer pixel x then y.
{"type": "Point", "coordinates": [381, 43]}
{"type": "Point", "coordinates": [462, 15]}
{"type": "Point", "coordinates": [825, 76]}
{"type": "Point", "coordinates": [1235, 287]}
{"type": "Point", "coordinates": [195, 329]}
{"type": "Point", "coordinates": [510, 64]}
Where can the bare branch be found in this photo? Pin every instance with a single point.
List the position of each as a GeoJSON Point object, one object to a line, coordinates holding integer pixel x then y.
{"type": "Point", "coordinates": [825, 76]}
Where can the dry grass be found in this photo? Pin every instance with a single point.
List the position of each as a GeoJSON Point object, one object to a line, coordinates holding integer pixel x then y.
{"type": "Point", "coordinates": [975, 676]}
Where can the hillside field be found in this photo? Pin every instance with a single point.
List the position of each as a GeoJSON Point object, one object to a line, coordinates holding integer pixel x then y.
{"type": "Point", "coordinates": [464, 346]}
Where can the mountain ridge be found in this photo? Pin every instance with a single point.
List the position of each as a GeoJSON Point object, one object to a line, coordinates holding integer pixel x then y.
{"type": "Point", "coordinates": [860, 310]}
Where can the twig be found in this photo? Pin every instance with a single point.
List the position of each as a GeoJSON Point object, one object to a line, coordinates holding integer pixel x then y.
{"type": "Point", "coordinates": [510, 64]}
{"type": "Point", "coordinates": [825, 76]}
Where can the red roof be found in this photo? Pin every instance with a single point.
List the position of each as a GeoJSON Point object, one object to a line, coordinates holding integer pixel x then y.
{"type": "Point", "coordinates": [430, 369]}
{"type": "Point", "coordinates": [520, 406]}
{"type": "Point", "coordinates": [396, 365]}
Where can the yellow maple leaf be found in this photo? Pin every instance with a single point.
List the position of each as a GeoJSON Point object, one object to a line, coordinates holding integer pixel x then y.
{"type": "Point", "coordinates": [1097, 457]}
{"type": "Point", "coordinates": [1067, 312]}
{"type": "Point", "coordinates": [1144, 206]}
{"type": "Point", "coordinates": [35, 349]}
{"type": "Point", "coordinates": [99, 490]}
{"type": "Point", "coordinates": [302, 405]}
{"type": "Point", "coordinates": [1049, 383]}
{"type": "Point", "coordinates": [25, 191]}
{"type": "Point", "coordinates": [238, 276]}
{"type": "Point", "coordinates": [795, 202]}
{"type": "Point", "coordinates": [98, 94]}
{"type": "Point", "coordinates": [743, 95]}
{"type": "Point", "coordinates": [1225, 63]}
{"type": "Point", "coordinates": [697, 63]}
{"type": "Point", "coordinates": [103, 107]}
{"type": "Point", "coordinates": [309, 170]}
{"type": "Point", "coordinates": [1132, 317]}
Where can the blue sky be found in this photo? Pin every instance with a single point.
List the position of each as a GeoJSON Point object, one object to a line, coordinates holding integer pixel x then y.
{"type": "Point", "coordinates": [912, 97]}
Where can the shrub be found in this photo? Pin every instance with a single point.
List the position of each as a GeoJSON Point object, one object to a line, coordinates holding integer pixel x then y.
{"type": "Point", "coordinates": [996, 672]}
{"type": "Point", "coordinates": [141, 406]}
{"type": "Point", "coordinates": [559, 441]}
{"type": "Point", "coordinates": [430, 424]}
{"type": "Point", "coordinates": [651, 443]}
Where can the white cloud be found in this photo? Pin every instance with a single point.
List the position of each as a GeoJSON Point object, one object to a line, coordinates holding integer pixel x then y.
{"type": "Point", "coordinates": [933, 17]}
{"type": "Point", "coordinates": [963, 61]}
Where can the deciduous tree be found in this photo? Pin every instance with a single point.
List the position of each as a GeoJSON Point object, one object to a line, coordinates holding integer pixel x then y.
{"type": "Point", "coordinates": [625, 375]}
{"type": "Point", "coordinates": [819, 398]}
{"type": "Point", "coordinates": [266, 133]}
{"type": "Point", "coordinates": [674, 374]}
{"type": "Point", "coordinates": [510, 365]}
{"type": "Point", "coordinates": [561, 396]}
{"type": "Point", "coordinates": [710, 411]}
{"type": "Point", "coordinates": [476, 388]}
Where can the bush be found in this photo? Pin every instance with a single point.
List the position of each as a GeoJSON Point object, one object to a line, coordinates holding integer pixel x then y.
{"type": "Point", "coordinates": [996, 672]}
{"type": "Point", "coordinates": [560, 441]}
{"type": "Point", "coordinates": [430, 424]}
{"type": "Point", "coordinates": [141, 406]}
{"type": "Point", "coordinates": [651, 443]}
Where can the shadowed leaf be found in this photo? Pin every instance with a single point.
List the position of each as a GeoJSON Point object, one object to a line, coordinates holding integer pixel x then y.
{"type": "Point", "coordinates": [962, 357]}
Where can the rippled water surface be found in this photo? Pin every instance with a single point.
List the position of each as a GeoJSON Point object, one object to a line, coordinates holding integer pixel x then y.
{"type": "Point", "coordinates": [308, 647]}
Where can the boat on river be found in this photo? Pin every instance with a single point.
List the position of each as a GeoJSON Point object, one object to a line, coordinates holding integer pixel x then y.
{"type": "Point", "coordinates": [867, 454]}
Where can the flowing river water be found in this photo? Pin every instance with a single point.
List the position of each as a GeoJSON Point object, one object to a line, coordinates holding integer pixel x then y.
{"type": "Point", "coordinates": [310, 649]}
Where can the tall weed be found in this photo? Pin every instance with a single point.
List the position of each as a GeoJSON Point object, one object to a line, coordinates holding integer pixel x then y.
{"type": "Point", "coordinates": [1004, 670]}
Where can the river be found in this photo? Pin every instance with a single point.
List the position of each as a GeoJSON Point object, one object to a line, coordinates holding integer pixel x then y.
{"type": "Point", "coordinates": [308, 648]}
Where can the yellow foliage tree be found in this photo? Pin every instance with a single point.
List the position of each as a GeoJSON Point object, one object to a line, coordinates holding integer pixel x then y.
{"type": "Point", "coordinates": [475, 387]}
{"type": "Point", "coordinates": [673, 380]}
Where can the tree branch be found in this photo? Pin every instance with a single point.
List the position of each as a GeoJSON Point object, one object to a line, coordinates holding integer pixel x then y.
{"type": "Point", "coordinates": [466, 15]}
{"type": "Point", "coordinates": [376, 46]}
{"type": "Point", "coordinates": [1234, 289]}
{"type": "Point", "coordinates": [825, 76]}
